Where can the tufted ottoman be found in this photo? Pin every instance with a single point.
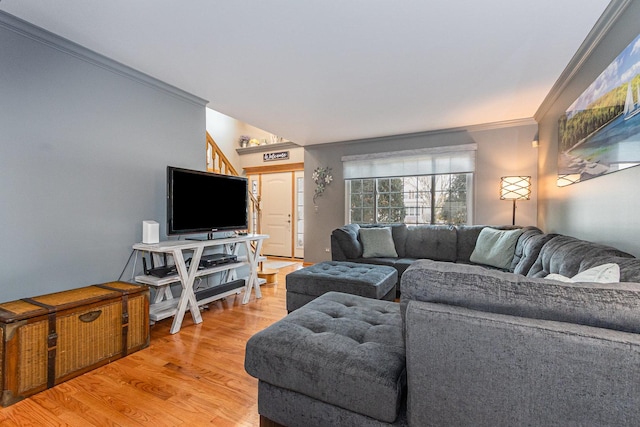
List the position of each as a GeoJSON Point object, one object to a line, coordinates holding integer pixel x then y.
{"type": "Point", "coordinates": [339, 360]}
{"type": "Point", "coordinates": [367, 280]}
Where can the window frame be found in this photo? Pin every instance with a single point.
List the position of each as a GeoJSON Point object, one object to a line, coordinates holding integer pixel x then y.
{"type": "Point", "coordinates": [433, 195]}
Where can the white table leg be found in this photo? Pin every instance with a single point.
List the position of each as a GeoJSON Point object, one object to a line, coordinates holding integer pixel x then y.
{"type": "Point", "coordinates": [252, 281]}
{"type": "Point", "coordinates": [187, 296]}
{"type": "Point", "coordinates": [160, 294]}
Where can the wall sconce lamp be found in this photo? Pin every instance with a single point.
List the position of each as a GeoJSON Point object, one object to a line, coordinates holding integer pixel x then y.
{"type": "Point", "coordinates": [535, 143]}
{"type": "Point", "coordinates": [515, 188]}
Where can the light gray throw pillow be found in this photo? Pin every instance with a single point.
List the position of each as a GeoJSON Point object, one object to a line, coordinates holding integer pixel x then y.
{"type": "Point", "coordinates": [377, 242]}
{"type": "Point", "coordinates": [495, 247]}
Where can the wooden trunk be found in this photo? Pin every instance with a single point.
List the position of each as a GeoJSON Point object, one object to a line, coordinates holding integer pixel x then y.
{"type": "Point", "coordinates": [49, 339]}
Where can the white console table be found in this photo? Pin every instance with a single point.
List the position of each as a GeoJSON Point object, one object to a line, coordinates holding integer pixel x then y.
{"type": "Point", "coordinates": [165, 304]}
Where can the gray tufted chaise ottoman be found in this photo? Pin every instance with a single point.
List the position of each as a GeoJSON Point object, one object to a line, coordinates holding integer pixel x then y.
{"type": "Point", "coordinates": [367, 280]}
{"type": "Point", "coordinates": [337, 361]}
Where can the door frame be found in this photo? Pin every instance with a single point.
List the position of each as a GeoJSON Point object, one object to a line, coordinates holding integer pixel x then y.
{"type": "Point", "coordinates": [258, 171]}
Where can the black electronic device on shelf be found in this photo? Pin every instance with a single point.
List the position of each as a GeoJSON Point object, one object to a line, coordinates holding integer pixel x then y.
{"type": "Point", "coordinates": [219, 289]}
{"type": "Point", "coordinates": [160, 272]}
{"type": "Point", "coordinates": [212, 260]}
{"type": "Point", "coordinates": [216, 259]}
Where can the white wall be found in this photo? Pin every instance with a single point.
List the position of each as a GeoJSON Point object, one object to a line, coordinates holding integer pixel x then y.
{"type": "Point", "coordinates": [254, 158]}
{"type": "Point", "coordinates": [602, 209]}
{"type": "Point", "coordinates": [84, 146]}
{"type": "Point", "coordinates": [505, 152]}
{"type": "Point", "coordinates": [226, 132]}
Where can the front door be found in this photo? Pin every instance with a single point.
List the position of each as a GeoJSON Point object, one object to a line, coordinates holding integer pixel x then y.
{"type": "Point", "coordinates": [277, 191]}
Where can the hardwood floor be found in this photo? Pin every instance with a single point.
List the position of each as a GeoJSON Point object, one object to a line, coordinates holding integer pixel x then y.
{"type": "Point", "coordinates": [195, 377]}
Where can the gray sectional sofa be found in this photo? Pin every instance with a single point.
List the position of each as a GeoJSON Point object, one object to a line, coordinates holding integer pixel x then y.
{"type": "Point", "coordinates": [540, 342]}
{"type": "Point", "coordinates": [435, 242]}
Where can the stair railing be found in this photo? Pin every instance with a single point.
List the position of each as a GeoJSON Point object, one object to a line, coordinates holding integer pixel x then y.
{"type": "Point", "coordinates": [216, 160]}
{"type": "Point", "coordinates": [219, 163]}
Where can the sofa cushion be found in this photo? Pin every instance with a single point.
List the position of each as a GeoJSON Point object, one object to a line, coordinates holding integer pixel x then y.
{"type": "Point", "coordinates": [611, 306]}
{"type": "Point", "coordinates": [401, 265]}
{"type": "Point", "coordinates": [400, 232]}
{"type": "Point", "coordinates": [347, 239]}
{"type": "Point", "coordinates": [376, 261]}
{"type": "Point", "coordinates": [528, 248]}
{"type": "Point", "coordinates": [564, 255]}
{"type": "Point", "coordinates": [605, 273]}
{"type": "Point", "coordinates": [495, 247]}
{"type": "Point", "coordinates": [377, 242]}
{"type": "Point", "coordinates": [437, 242]}
{"type": "Point", "coordinates": [629, 267]}
{"type": "Point", "coordinates": [469, 368]}
{"type": "Point", "coordinates": [466, 236]}
{"type": "Point", "coordinates": [341, 349]}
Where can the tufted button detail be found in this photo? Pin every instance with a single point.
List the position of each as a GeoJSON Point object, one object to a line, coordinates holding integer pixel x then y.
{"type": "Point", "coordinates": [336, 334]}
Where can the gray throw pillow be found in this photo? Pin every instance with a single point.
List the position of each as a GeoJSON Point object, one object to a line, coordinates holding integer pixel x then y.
{"type": "Point", "coordinates": [495, 247]}
{"type": "Point", "coordinates": [377, 242]}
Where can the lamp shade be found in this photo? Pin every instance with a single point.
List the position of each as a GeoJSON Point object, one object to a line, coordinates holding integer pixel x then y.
{"type": "Point", "coordinates": [515, 188]}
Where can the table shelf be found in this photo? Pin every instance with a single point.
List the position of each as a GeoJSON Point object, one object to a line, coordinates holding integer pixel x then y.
{"type": "Point", "coordinates": [168, 308]}
{"type": "Point", "coordinates": [174, 278]}
{"type": "Point", "coordinates": [166, 305]}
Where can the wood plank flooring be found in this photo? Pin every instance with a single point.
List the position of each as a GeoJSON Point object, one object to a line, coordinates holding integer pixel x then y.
{"type": "Point", "coordinates": [193, 378]}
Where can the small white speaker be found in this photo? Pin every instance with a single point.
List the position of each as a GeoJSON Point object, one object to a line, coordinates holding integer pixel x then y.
{"type": "Point", "coordinates": [150, 232]}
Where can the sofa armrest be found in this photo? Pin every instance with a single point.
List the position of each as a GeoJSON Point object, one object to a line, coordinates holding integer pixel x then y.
{"type": "Point", "coordinates": [612, 306]}
{"type": "Point", "coordinates": [337, 254]}
{"type": "Point", "coordinates": [565, 255]}
{"type": "Point", "coordinates": [345, 243]}
{"type": "Point", "coordinates": [469, 368]}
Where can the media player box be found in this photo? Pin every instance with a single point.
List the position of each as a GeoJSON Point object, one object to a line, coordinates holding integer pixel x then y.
{"type": "Point", "coordinates": [150, 232]}
{"type": "Point", "coordinates": [216, 259]}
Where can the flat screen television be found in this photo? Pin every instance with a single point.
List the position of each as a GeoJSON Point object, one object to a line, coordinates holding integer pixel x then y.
{"type": "Point", "coordinates": [205, 202]}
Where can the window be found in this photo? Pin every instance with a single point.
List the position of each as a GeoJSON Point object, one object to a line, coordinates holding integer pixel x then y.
{"type": "Point", "coordinates": [300, 212]}
{"type": "Point", "coordinates": [425, 199]}
{"type": "Point", "coordinates": [431, 186]}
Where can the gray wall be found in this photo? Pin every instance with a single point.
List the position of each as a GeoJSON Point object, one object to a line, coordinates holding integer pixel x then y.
{"type": "Point", "coordinates": [602, 209]}
{"type": "Point", "coordinates": [503, 149]}
{"type": "Point", "coordinates": [84, 145]}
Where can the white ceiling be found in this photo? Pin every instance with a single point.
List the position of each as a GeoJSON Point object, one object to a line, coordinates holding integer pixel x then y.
{"type": "Point", "coordinates": [317, 71]}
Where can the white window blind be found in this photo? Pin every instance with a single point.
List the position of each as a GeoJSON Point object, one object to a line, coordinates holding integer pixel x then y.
{"type": "Point", "coordinates": [425, 161]}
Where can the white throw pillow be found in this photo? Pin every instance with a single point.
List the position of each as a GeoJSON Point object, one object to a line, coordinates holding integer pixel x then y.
{"type": "Point", "coordinates": [377, 242]}
{"type": "Point", "coordinates": [605, 273]}
{"type": "Point", "coordinates": [495, 247]}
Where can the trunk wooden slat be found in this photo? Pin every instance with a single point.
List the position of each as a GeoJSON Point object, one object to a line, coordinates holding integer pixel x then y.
{"type": "Point", "coordinates": [49, 339]}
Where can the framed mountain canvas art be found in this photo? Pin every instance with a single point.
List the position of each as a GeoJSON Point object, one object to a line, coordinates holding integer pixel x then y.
{"type": "Point", "coordinates": [600, 132]}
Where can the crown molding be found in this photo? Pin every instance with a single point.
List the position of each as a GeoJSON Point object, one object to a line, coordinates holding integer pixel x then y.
{"type": "Point", "coordinates": [593, 39]}
{"type": "Point", "coordinates": [40, 35]}
{"type": "Point", "coordinates": [470, 128]}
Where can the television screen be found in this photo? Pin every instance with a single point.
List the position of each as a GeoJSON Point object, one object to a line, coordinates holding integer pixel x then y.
{"type": "Point", "coordinates": [204, 202]}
